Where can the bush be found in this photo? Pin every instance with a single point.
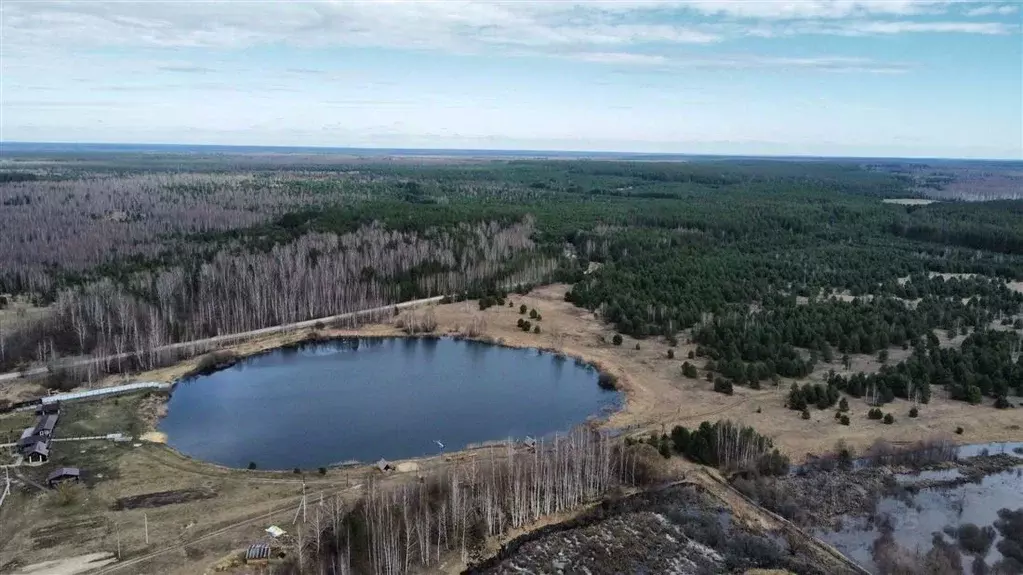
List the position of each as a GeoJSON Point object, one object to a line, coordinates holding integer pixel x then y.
{"type": "Point", "coordinates": [536, 329]}
{"type": "Point", "coordinates": [532, 313]}
{"type": "Point", "coordinates": [914, 412]}
{"type": "Point", "coordinates": [671, 353]}
{"type": "Point", "coordinates": [637, 347]}
{"type": "Point", "coordinates": [297, 471]}
{"type": "Point", "coordinates": [323, 471]}
{"type": "Point", "coordinates": [844, 420]}
{"type": "Point", "coordinates": [888, 419]}
{"type": "Point", "coordinates": [843, 405]}
{"type": "Point", "coordinates": [216, 360]}
{"type": "Point", "coordinates": [617, 339]}
{"type": "Point", "coordinates": [522, 309]}
{"type": "Point", "coordinates": [692, 355]}
{"type": "Point", "coordinates": [68, 494]}
{"type": "Point", "coordinates": [875, 413]}
{"type": "Point", "coordinates": [252, 465]}
{"type": "Point", "coordinates": [959, 431]}
{"type": "Point", "coordinates": [607, 381]}
{"type": "Point", "coordinates": [806, 414]}
{"type": "Point", "coordinates": [722, 385]}
{"type": "Point", "coordinates": [975, 540]}
{"type": "Point", "coordinates": [1002, 402]}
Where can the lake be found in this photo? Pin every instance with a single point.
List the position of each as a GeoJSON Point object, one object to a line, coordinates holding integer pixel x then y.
{"type": "Point", "coordinates": [364, 399]}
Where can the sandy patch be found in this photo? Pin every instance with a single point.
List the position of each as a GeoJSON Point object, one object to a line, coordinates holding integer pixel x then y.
{"type": "Point", "coordinates": [154, 437]}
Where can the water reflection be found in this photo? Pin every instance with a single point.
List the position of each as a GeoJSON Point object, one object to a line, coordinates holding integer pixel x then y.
{"type": "Point", "coordinates": [364, 399]}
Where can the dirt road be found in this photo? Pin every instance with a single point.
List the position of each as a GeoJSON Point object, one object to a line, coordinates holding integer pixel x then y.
{"type": "Point", "coordinates": [227, 338]}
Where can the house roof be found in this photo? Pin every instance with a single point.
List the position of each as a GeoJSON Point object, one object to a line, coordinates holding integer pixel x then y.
{"type": "Point", "coordinates": [63, 472]}
{"type": "Point", "coordinates": [257, 551]}
{"type": "Point", "coordinates": [39, 447]}
{"type": "Point", "coordinates": [47, 422]}
{"type": "Point", "coordinates": [29, 432]}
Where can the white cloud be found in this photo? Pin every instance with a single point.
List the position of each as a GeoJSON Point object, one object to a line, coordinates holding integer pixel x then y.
{"type": "Point", "coordinates": [987, 28]}
{"type": "Point", "coordinates": [458, 25]}
{"type": "Point", "coordinates": [742, 62]}
{"type": "Point", "coordinates": [992, 10]}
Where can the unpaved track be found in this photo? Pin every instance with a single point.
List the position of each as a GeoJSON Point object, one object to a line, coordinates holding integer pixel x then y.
{"type": "Point", "coordinates": [116, 567]}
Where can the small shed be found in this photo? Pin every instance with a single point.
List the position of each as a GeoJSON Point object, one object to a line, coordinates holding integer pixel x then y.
{"type": "Point", "coordinates": [384, 466]}
{"type": "Point", "coordinates": [39, 452]}
{"type": "Point", "coordinates": [63, 475]}
{"type": "Point", "coordinates": [257, 554]}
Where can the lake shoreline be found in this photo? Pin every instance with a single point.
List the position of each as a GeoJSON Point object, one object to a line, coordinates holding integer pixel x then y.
{"type": "Point", "coordinates": [488, 398]}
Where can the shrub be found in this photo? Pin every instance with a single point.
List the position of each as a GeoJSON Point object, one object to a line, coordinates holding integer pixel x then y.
{"type": "Point", "coordinates": [843, 405]}
{"type": "Point", "coordinates": [875, 413]}
{"type": "Point", "coordinates": [252, 465]}
{"type": "Point", "coordinates": [297, 471]}
{"type": "Point", "coordinates": [536, 329]}
{"type": "Point", "coordinates": [318, 325]}
{"type": "Point", "coordinates": [913, 411]}
{"type": "Point", "coordinates": [844, 420]}
{"type": "Point", "coordinates": [1002, 402]}
{"type": "Point", "coordinates": [692, 355]}
{"type": "Point", "coordinates": [806, 414]}
{"type": "Point", "coordinates": [522, 309]}
{"type": "Point", "coordinates": [975, 540]}
{"type": "Point", "coordinates": [888, 419]}
{"type": "Point", "coordinates": [323, 471]}
{"type": "Point", "coordinates": [959, 431]}
{"type": "Point", "coordinates": [671, 353]}
{"type": "Point", "coordinates": [637, 347]}
{"type": "Point", "coordinates": [607, 381]}
{"type": "Point", "coordinates": [532, 313]}
{"type": "Point", "coordinates": [689, 370]}
{"type": "Point", "coordinates": [722, 385]}
{"type": "Point", "coordinates": [68, 494]}
{"type": "Point", "coordinates": [617, 339]}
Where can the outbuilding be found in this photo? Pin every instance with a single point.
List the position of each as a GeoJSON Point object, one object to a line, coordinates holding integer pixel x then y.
{"type": "Point", "coordinates": [257, 554]}
{"type": "Point", "coordinates": [63, 475]}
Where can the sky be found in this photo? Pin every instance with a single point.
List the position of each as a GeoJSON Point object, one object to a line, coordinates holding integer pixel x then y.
{"type": "Point", "coordinates": [902, 78]}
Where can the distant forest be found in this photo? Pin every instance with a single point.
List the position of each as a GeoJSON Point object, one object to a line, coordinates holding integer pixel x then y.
{"type": "Point", "coordinates": [772, 267]}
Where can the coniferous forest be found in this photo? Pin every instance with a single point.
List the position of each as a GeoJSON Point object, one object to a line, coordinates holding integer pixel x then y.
{"type": "Point", "coordinates": [772, 267]}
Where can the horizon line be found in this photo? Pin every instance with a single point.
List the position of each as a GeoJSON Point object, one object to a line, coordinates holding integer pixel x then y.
{"type": "Point", "coordinates": [465, 152]}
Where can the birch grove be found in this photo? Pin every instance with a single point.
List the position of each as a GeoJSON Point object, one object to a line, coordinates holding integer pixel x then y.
{"type": "Point", "coordinates": [317, 275]}
{"type": "Point", "coordinates": [407, 527]}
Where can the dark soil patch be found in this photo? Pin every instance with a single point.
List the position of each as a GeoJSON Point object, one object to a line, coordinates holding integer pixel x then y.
{"type": "Point", "coordinates": [161, 498]}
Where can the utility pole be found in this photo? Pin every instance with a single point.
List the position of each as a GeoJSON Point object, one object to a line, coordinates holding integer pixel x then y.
{"type": "Point", "coordinates": [145, 519]}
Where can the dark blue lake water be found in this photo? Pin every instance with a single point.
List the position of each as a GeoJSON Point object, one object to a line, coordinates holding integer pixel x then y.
{"type": "Point", "coordinates": [363, 399]}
